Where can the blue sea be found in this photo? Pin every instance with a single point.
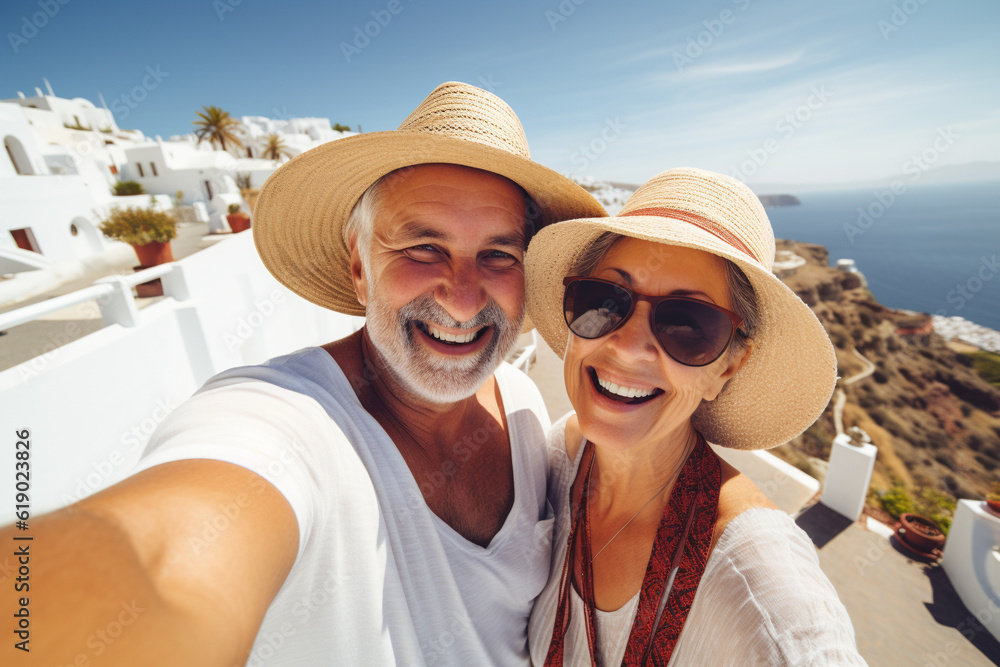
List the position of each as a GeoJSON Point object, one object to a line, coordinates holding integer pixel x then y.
{"type": "Point", "coordinates": [929, 248]}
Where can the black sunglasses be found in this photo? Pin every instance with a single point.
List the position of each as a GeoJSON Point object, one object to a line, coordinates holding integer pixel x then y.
{"type": "Point", "coordinates": [691, 331]}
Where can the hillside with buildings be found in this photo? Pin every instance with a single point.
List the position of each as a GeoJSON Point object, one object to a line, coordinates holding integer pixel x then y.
{"type": "Point", "coordinates": [65, 161]}
{"type": "Point", "coordinates": [934, 417]}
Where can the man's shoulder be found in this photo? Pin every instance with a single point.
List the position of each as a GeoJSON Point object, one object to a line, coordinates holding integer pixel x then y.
{"type": "Point", "coordinates": [300, 371]}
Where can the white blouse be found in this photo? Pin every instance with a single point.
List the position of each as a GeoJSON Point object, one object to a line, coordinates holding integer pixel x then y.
{"type": "Point", "coordinates": [763, 599]}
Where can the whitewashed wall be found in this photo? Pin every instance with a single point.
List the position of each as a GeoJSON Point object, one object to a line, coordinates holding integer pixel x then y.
{"type": "Point", "coordinates": [49, 205]}
{"type": "Point", "coordinates": [13, 124]}
{"type": "Point", "coordinates": [91, 405]}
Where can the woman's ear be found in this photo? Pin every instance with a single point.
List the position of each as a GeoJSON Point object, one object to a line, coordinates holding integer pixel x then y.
{"type": "Point", "coordinates": [358, 273]}
{"type": "Point", "coordinates": [734, 364]}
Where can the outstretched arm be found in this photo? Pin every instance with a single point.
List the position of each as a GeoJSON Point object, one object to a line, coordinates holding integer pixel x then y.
{"type": "Point", "coordinates": [173, 566]}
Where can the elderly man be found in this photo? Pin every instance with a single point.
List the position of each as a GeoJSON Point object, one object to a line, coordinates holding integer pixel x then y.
{"type": "Point", "coordinates": [377, 500]}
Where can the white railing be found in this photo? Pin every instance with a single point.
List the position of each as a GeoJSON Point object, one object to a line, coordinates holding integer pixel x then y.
{"type": "Point", "coordinates": [112, 293]}
{"type": "Point", "coordinates": [92, 403]}
{"type": "Point", "coordinates": [30, 313]}
{"type": "Point", "coordinates": [785, 485]}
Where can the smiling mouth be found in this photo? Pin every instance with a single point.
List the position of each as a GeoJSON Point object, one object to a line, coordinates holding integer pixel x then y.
{"type": "Point", "coordinates": [622, 393]}
{"type": "Point", "coordinates": [448, 338]}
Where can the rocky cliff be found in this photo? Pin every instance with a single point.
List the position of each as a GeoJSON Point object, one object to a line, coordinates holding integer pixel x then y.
{"type": "Point", "coordinates": [935, 420]}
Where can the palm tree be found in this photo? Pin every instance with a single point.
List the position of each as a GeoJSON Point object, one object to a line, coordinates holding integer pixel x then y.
{"type": "Point", "coordinates": [217, 126]}
{"type": "Point", "coordinates": [275, 148]}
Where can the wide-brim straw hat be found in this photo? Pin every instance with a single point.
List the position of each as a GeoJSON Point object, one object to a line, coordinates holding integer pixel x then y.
{"type": "Point", "coordinates": [301, 210]}
{"type": "Point", "coordinates": [792, 370]}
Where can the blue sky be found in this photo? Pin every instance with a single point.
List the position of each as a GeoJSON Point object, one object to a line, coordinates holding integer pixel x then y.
{"type": "Point", "coordinates": [773, 92]}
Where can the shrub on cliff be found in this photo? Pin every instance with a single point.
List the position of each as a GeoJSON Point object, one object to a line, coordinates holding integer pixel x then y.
{"type": "Point", "coordinates": [987, 364]}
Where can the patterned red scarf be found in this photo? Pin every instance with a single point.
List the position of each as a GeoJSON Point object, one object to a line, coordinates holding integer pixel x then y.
{"type": "Point", "coordinates": [680, 550]}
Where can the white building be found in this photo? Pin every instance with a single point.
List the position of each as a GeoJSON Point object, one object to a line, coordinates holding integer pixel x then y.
{"type": "Point", "coordinates": [55, 180]}
{"type": "Point", "coordinates": [63, 156]}
{"type": "Point", "coordinates": [297, 134]}
{"type": "Point", "coordinates": [178, 166]}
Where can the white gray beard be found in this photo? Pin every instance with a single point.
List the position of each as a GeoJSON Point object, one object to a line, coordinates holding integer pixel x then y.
{"type": "Point", "coordinates": [434, 378]}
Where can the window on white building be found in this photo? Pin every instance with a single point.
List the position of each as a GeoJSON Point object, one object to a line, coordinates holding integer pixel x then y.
{"type": "Point", "coordinates": [25, 239]}
{"type": "Point", "coordinates": [142, 174]}
{"type": "Point", "coordinates": [152, 165]}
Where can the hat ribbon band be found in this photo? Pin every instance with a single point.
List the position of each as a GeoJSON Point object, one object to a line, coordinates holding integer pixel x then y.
{"type": "Point", "coordinates": [703, 223]}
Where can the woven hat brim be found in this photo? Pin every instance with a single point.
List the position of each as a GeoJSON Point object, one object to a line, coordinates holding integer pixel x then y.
{"type": "Point", "coordinates": [778, 393]}
{"type": "Point", "coordinates": [302, 208]}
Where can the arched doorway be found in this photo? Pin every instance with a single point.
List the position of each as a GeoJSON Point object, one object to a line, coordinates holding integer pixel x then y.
{"type": "Point", "coordinates": [18, 156]}
{"type": "Point", "coordinates": [87, 237]}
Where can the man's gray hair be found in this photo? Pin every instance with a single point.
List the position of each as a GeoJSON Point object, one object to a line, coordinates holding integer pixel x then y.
{"type": "Point", "coordinates": [361, 223]}
{"type": "Point", "coordinates": [741, 292]}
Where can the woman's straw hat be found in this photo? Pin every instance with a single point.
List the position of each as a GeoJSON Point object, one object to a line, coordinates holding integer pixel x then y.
{"type": "Point", "coordinates": [788, 380]}
{"type": "Point", "coordinates": [300, 213]}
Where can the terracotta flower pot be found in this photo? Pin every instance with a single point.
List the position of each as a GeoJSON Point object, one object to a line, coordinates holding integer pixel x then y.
{"type": "Point", "coordinates": [921, 533]}
{"type": "Point", "coordinates": [238, 222]}
{"type": "Point", "coordinates": [993, 505]}
{"type": "Point", "coordinates": [148, 289]}
{"type": "Point", "coordinates": [154, 253]}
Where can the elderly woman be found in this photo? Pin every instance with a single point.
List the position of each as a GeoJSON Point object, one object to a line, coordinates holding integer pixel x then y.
{"type": "Point", "coordinates": [674, 331]}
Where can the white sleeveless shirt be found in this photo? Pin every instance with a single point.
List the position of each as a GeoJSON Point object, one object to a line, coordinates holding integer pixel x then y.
{"type": "Point", "coordinates": [379, 579]}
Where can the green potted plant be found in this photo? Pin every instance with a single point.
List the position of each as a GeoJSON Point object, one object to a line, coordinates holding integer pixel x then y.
{"type": "Point", "coordinates": [127, 188]}
{"type": "Point", "coordinates": [148, 230]}
{"type": "Point", "coordinates": [238, 220]}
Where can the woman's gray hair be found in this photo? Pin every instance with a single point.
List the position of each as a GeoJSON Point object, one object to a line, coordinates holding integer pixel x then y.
{"type": "Point", "coordinates": [741, 292]}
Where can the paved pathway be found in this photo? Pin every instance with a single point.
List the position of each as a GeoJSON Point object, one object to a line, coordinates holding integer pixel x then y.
{"type": "Point", "coordinates": [904, 612]}
{"type": "Point", "coordinates": [838, 406]}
